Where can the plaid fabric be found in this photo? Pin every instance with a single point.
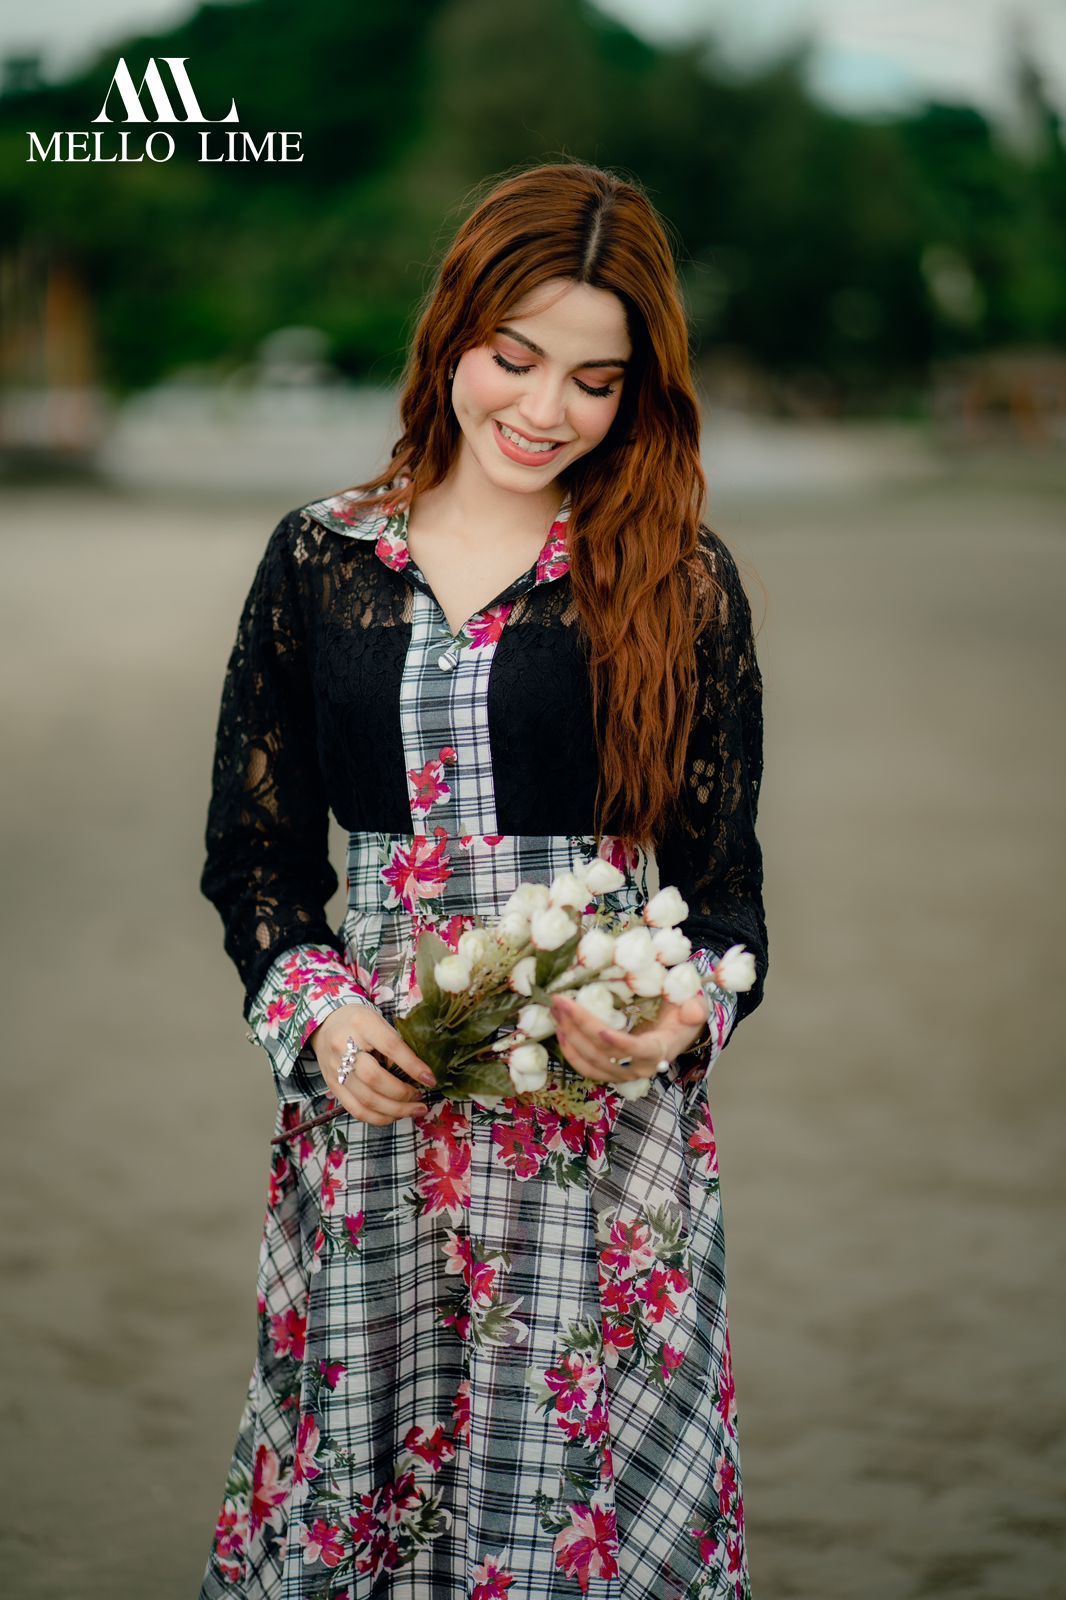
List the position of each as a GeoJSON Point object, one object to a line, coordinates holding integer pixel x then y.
{"type": "Point", "coordinates": [494, 1355]}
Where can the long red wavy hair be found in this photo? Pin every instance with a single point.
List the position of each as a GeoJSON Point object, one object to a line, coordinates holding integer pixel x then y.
{"type": "Point", "coordinates": [636, 499]}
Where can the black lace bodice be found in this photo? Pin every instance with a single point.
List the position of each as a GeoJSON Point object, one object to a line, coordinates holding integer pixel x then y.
{"type": "Point", "coordinates": [310, 722]}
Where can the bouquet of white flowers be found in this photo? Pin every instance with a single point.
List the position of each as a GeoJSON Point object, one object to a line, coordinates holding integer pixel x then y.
{"type": "Point", "coordinates": [483, 1023]}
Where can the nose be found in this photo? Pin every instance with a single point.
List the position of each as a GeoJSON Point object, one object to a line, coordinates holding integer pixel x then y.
{"type": "Point", "coordinates": [542, 404]}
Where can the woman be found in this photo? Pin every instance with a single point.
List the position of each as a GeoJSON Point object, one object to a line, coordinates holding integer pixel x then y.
{"type": "Point", "coordinates": [493, 1355]}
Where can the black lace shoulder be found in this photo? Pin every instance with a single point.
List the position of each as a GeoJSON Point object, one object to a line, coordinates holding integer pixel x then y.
{"type": "Point", "coordinates": [267, 868]}
{"type": "Point", "coordinates": [712, 852]}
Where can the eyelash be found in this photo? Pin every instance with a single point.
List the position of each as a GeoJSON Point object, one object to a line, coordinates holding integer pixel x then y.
{"type": "Point", "coordinates": [507, 366]}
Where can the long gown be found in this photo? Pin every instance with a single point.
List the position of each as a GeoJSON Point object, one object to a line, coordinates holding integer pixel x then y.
{"type": "Point", "coordinates": [493, 1355]}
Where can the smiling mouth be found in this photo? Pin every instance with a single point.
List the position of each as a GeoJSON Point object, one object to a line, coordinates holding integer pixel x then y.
{"type": "Point", "coordinates": [522, 441]}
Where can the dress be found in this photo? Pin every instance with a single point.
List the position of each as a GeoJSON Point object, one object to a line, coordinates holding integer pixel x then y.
{"type": "Point", "coordinates": [493, 1355]}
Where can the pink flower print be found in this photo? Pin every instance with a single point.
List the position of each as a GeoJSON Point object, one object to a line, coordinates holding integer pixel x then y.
{"type": "Point", "coordinates": [445, 1123]}
{"type": "Point", "coordinates": [554, 558]}
{"type": "Point", "coordinates": [305, 1467]}
{"type": "Point", "coordinates": [517, 1147]}
{"type": "Point", "coordinates": [671, 1359]}
{"type": "Point", "coordinates": [453, 929]}
{"type": "Point", "coordinates": [270, 1490]}
{"type": "Point", "coordinates": [630, 1250]}
{"type": "Point", "coordinates": [323, 1541]}
{"type": "Point", "coordinates": [491, 1580]}
{"type": "Point", "coordinates": [574, 1382]}
{"type": "Point", "coordinates": [231, 1533]}
{"type": "Point", "coordinates": [485, 628]}
{"type": "Point", "coordinates": [289, 1333]}
{"type": "Point", "coordinates": [725, 1483]}
{"type": "Point", "coordinates": [618, 1297]}
{"type": "Point", "coordinates": [280, 1174]}
{"type": "Point", "coordinates": [434, 1448]}
{"type": "Point", "coordinates": [625, 858]}
{"type": "Point", "coordinates": [353, 1224]}
{"type": "Point", "coordinates": [588, 1548]}
{"type": "Point", "coordinates": [331, 1372]}
{"type": "Point", "coordinates": [277, 1012]}
{"type": "Point", "coordinates": [461, 1412]}
{"type": "Point", "coordinates": [398, 1496]}
{"type": "Point", "coordinates": [443, 1179]}
{"type": "Point", "coordinates": [428, 787]}
{"type": "Point", "coordinates": [702, 1141]}
{"type": "Point", "coordinates": [597, 1425]}
{"type": "Point", "coordinates": [658, 1290]}
{"type": "Point", "coordinates": [726, 1400]}
{"type": "Point", "coordinates": [734, 1558]}
{"type": "Point", "coordinates": [417, 871]}
{"type": "Point", "coordinates": [332, 1177]}
{"type": "Point", "coordinates": [370, 984]}
{"type": "Point", "coordinates": [617, 1336]}
{"type": "Point", "coordinates": [393, 550]}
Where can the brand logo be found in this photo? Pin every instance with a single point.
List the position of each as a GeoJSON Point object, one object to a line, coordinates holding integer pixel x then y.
{"type": "Point", "coordinates": [100, 145]}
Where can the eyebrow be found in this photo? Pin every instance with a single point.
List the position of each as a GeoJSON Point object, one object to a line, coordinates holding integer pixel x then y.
{"type": "Point", "coordinates": [537, 351]}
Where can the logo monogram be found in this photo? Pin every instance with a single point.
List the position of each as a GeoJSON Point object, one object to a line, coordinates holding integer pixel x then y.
{"type": "Point", "coordinates": [153, 82]}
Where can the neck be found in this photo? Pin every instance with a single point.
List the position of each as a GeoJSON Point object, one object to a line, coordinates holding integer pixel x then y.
{"type": "Point", "coordinates": [467, 500]}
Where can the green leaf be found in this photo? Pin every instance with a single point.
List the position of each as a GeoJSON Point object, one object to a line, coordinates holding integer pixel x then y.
{"type": "Point", "coordinates": [431, 949]}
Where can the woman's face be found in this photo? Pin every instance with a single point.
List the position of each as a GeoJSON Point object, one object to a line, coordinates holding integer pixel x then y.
{"type": "Point", "coordinates": [546, 388]}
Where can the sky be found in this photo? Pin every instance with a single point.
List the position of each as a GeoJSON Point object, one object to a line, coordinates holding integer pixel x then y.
{"type": "Point", "coordinates": [870, 56]}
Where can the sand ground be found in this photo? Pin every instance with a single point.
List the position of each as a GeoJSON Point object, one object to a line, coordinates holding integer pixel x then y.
{"type": "Point", "coordinates": [890, 1121]}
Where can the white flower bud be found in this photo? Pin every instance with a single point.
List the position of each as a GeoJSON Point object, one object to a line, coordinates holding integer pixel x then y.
{"type": "Point", "coordinates": [670, 946]}
{"type": "Point", "coordinates": [648, 980]}
{"type": "Point", "coordinates": [514, 927]}
{"type": "Point", "coordinates": [536, 1022]}
{"type": "Point", "coordinates": [550, 928]}
{"type": "Point", "coordinates": [601, 877]}
{"type": "Point", "coordinates": [633, 1088]}
{"type": "Point", "coordinates": [527, 898]}
{"type": "Point", "coordinates": [736, 970]}
{"type": "Point", "coordinates": [666, 909]}
{"type": "Point", "coordinates": [597, 998]}
{"type": "Point", "coordinates": [681, 983]}
{"type": "Point", "coordinates": [633, 949]}
{"type": "Point", "coordinates": [567, 890]}
{"type": "Point", "coordinates": [453, 974]}
{"type": "Point", "coordinates": [595, 949]}
{"type": "Point", "coordinates": [523, 975]}
{"type": "Point", "coordinates": [473, 945]}
{"type": "Point", "coordinates": [528, 1066]}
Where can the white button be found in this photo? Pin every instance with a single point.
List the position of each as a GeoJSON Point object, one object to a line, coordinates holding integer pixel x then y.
{"type": "Point", "coordinates": [446, 662]}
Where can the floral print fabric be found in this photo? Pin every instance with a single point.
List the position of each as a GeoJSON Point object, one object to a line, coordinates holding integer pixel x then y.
{"type": "Point", "coordinates": [493, 1355]}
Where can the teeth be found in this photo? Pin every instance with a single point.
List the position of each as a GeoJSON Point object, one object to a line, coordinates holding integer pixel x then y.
{"type": "Point", "coordinates": [524, 444]}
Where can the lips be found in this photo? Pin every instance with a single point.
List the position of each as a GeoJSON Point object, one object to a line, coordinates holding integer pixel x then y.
{"type": "Point", "coordinates": [528, 458]}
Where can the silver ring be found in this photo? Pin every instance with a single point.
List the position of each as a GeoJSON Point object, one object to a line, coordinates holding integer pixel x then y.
{"type": "Point", "coordinates": [621, 1061]}
{"type": "Point", "coordinates": [348, 1059]}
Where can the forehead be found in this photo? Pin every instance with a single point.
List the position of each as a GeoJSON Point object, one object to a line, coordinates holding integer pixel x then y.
{"type": "Point", "coordinates": [573, 310]}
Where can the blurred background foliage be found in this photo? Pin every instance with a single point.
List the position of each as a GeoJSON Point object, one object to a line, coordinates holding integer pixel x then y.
{"type": "Point", "coordinates": [842, 254]}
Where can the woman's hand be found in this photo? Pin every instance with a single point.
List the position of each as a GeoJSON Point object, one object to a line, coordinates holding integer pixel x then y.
{"type": "Point", "coordinates": [370, 1092]}
{"type": "Point", "coordinates": [589, 1046]}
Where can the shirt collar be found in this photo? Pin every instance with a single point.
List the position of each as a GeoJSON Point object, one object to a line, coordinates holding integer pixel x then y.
{"type": "Point", "coordinates": [387, 528]}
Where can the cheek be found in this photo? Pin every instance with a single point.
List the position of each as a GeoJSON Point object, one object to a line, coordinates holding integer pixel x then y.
{"type": "Point", "coordinates": [477, 388]}
{"type": "Point", "coordinates": [597, 416]}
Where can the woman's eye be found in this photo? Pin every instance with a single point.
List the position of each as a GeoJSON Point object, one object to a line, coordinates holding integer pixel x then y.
{"type": "Point", "coordinates": [506, 365]}
{"type": "Point", "coordinates": [509, 366]}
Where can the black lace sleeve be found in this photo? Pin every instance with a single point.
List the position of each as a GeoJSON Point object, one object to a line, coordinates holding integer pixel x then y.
{"type": "Point", "coordinates": [713, 855]}
{"type": "Point", "coordinates": [268, 871]}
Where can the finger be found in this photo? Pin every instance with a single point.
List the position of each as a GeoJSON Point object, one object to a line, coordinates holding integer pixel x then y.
{"type": "Point", "coordinates": [594, 1063]}
{"type": "Point", "coordinates": [372, 1075]}
{"type": "Point", "coordinates": [384, 1038]}
{"type": "Point", "coordinates": [369, 1106]}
